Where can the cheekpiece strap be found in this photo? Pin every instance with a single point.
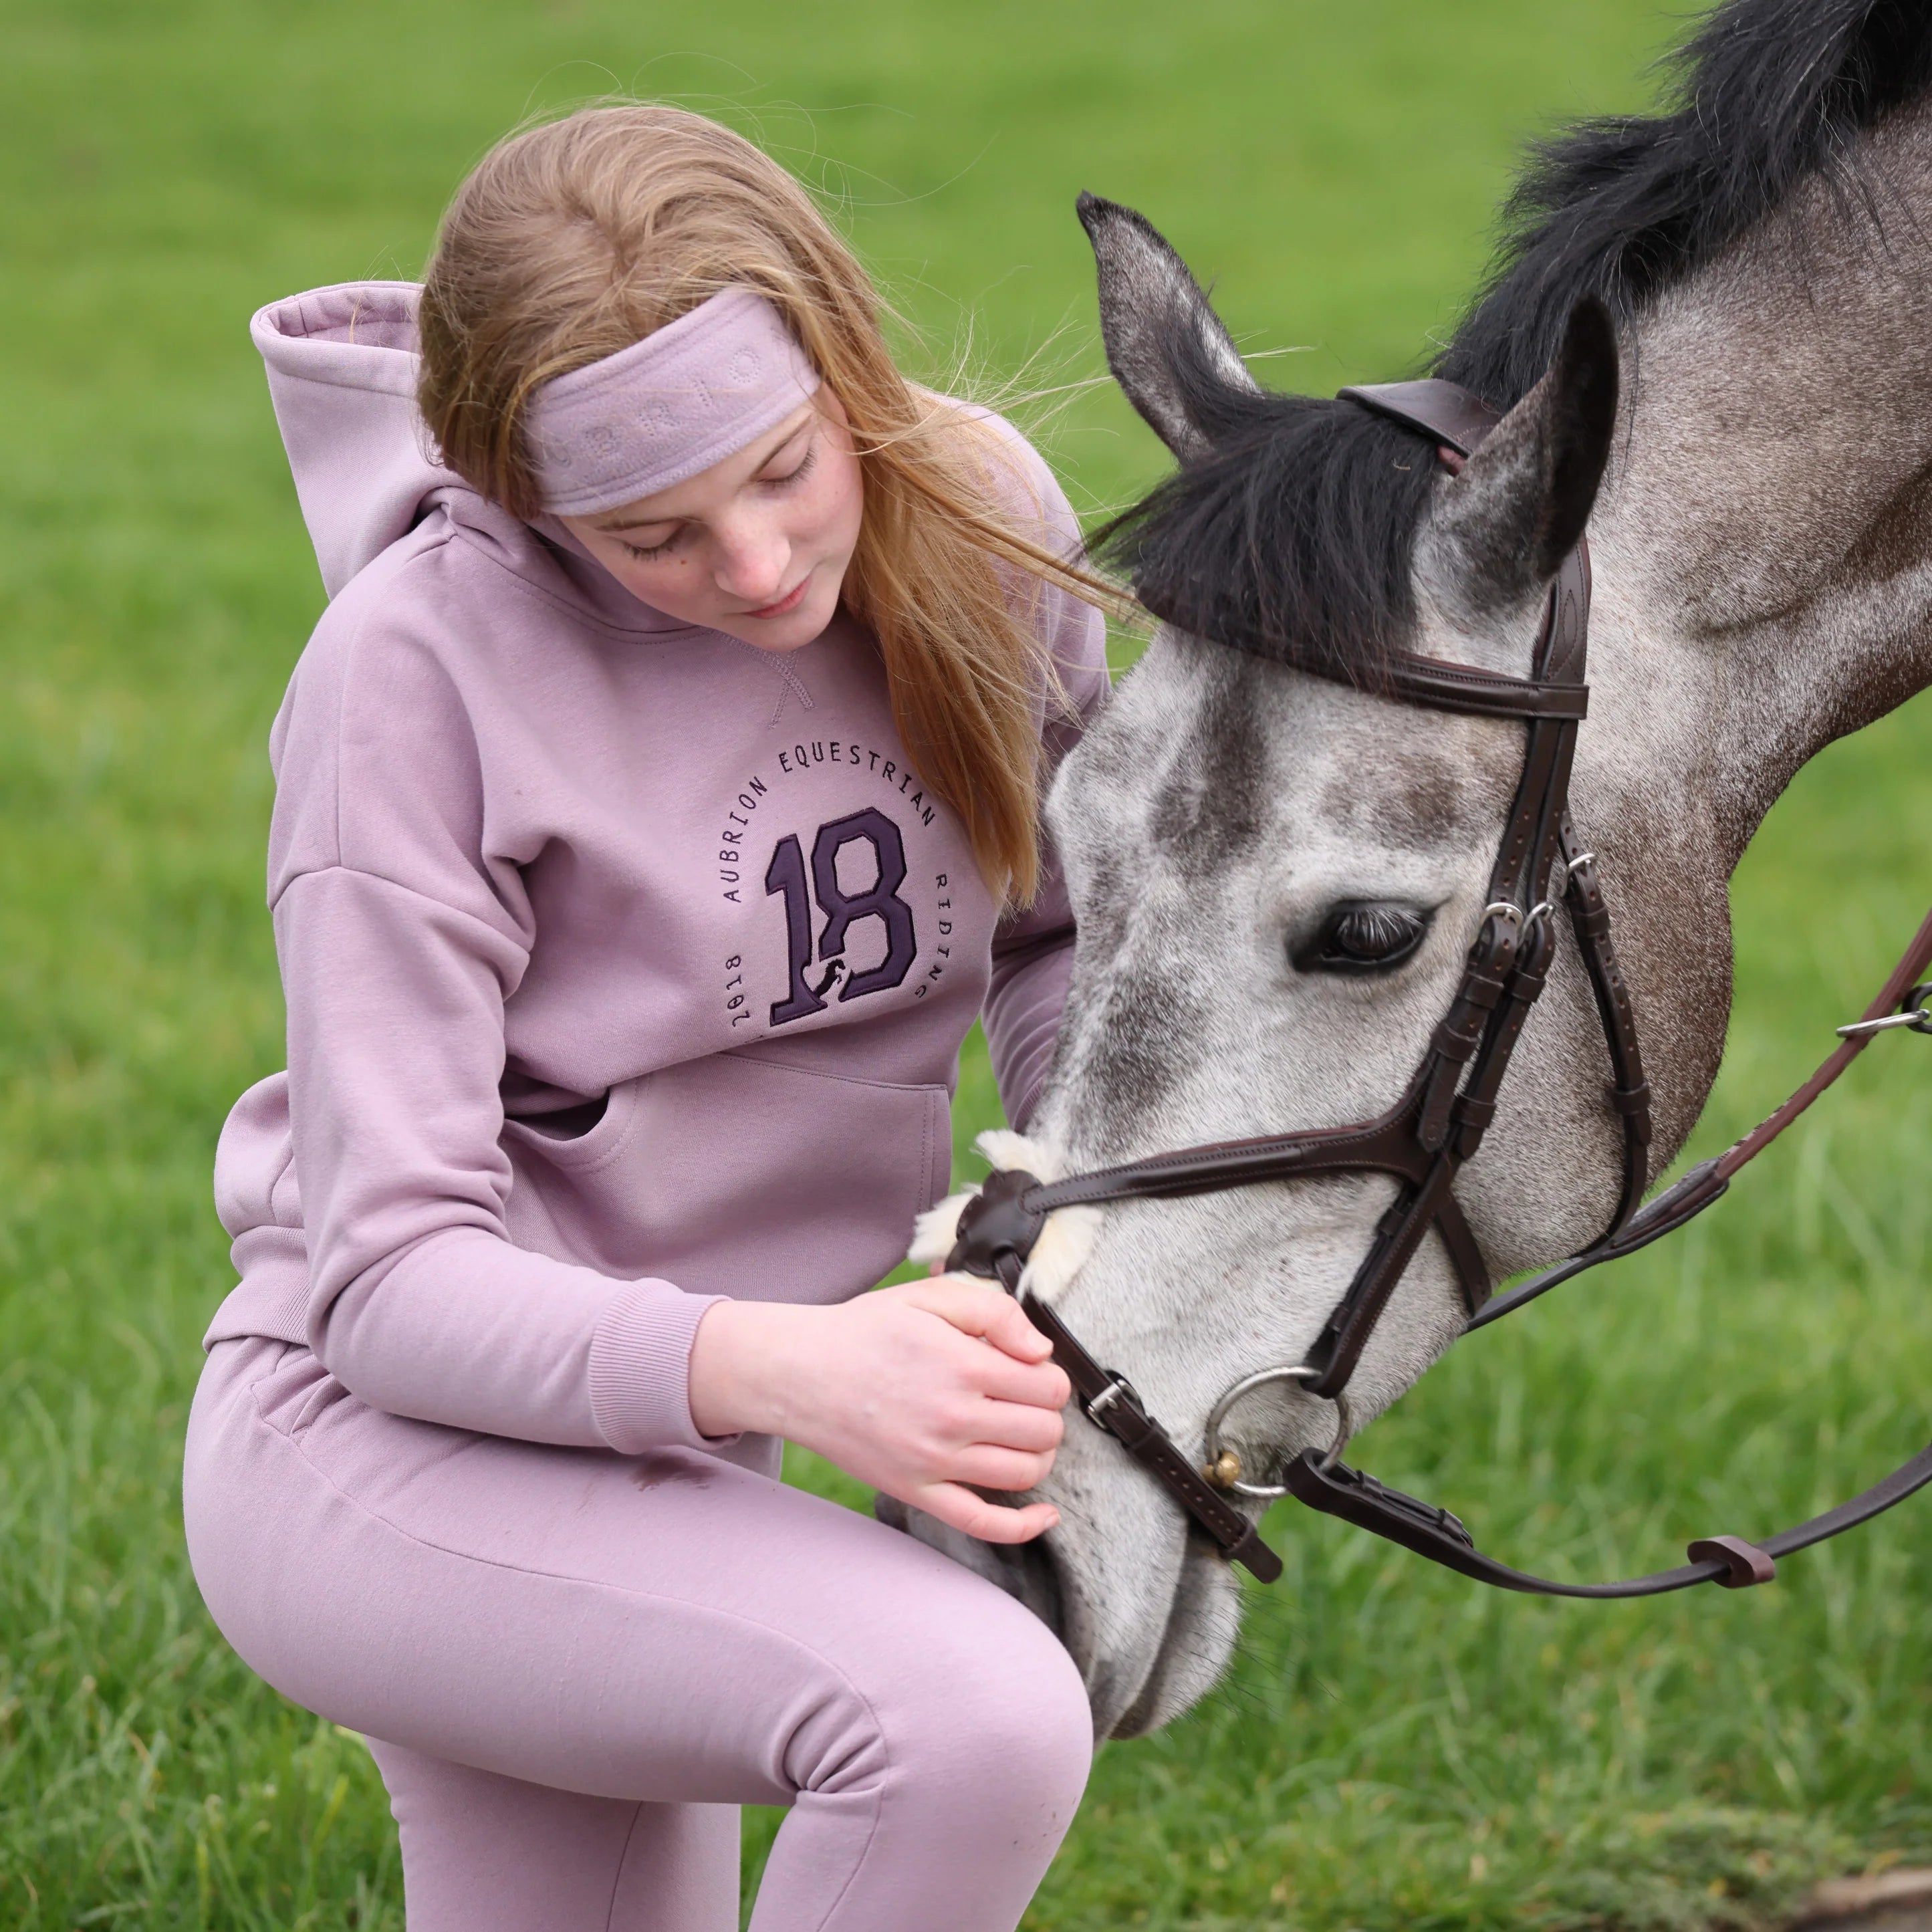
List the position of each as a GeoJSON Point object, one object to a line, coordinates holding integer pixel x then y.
{"type": "Point", "coordinates": [998, 1229]}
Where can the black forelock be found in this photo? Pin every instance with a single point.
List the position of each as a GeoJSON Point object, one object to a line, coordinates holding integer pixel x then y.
{"type": "Point", "coordinates": [1296, 535]}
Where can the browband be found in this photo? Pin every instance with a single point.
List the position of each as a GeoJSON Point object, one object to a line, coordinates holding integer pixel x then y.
{"type": "Point", "coordinates": [1457, 420]}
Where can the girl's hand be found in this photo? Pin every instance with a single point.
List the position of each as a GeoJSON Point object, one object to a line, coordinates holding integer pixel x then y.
{"type": "Point", "coordinates": [919, 1390]}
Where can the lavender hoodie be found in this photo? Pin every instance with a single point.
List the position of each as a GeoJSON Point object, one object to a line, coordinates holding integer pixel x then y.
{"type": "Point", "coordinates": [627, 966]}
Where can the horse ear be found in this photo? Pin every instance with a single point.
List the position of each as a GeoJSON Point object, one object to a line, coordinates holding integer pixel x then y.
{"type": "Point", "coordinates": [1166, 347]}
{"type": "Point", "coordinates": [1523, 499]}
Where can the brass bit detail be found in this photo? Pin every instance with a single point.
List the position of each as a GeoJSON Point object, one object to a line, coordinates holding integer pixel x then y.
{"type": "Point", "coordinates": [1225, 1471]}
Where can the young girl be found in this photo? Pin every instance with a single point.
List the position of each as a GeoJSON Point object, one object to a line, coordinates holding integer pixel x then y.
{"type": "Point", "coordinates": [656, 810]}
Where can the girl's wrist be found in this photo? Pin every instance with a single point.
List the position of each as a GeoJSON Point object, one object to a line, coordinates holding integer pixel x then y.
{"type": "Point", "coordinates": [732, 1385]}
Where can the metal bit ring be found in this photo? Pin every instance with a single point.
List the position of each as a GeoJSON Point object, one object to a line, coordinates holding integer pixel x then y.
{"type": "Point", "coordinates": [1223, 1465]}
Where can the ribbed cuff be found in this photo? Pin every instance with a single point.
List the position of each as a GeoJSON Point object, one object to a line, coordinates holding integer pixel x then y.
{"type": "Point", "coordinates": [641, 1370]}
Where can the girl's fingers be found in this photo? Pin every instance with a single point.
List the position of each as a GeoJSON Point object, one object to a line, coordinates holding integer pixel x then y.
{"type": "Point", "coordinates": [975, 1308]}
{"type": "Point", "coordinates": [1033, 1385]}
{"type": "Point", "coordinates": [1031, 1427]}
{"type": "Point", "coordinates": [991, 1522]}
{"type": "Point", "coordinates": [987, 1467]}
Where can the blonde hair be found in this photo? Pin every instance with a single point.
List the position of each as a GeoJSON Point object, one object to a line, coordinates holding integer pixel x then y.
{"type": "Point", "coordinates": [572, 240]}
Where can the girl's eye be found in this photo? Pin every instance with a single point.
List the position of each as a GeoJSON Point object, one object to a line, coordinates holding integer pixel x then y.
{"type": "Point", "coordinates": [800, 470]}
{"type": "Point", "coordinates": [797, 473]}
{"type": "Point", "coordinates": [1363, 936]}
{"type": "Point", "coordinates": [643, 552]}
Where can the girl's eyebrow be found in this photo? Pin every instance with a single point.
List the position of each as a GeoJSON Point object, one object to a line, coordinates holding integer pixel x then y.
{"type": "Point", "coordinates": [637, 524]}
{"type": "Point", "coordinates": [674, 516]}
{"type": "Point", "coordinates": [778, 449]}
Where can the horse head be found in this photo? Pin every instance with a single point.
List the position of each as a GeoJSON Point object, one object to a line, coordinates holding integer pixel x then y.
{"type": "Point", "coordinates": [1278, 867]}
{"type": "Point", "coordinates": [1277, 876]}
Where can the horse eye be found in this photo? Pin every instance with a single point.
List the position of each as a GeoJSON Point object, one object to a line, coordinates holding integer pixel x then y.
{"type": "Point", "coordinates": [1363, 936]}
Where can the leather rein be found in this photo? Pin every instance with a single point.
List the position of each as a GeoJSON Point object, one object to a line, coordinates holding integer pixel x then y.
{"type": "Point", "coordinates": [1437, 1126]}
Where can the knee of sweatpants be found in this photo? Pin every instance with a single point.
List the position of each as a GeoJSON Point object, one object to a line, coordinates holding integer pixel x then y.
{"type": "Point", "coordinates": [1020, 1716]}
{"type": "Point", "coordinates": [989, 1706]}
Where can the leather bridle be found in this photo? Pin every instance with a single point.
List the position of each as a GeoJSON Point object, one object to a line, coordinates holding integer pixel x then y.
{"type": "Point", "coordinates": [1424, 1140]}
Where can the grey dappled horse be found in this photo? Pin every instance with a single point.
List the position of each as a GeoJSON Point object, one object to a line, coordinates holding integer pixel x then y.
{"type": "Point", "coordinates": [1277, 876]}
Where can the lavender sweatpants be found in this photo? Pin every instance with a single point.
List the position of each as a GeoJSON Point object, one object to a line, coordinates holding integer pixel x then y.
{"type": "Point", "coordinates": [572, 1666]}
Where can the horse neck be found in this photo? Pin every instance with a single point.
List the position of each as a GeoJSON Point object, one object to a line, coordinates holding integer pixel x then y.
{"type": "Point", "coordinates": [1765, 537]}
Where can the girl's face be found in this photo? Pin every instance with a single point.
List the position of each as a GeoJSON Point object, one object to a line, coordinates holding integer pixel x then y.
{"type": "Point", "coordinates": [756, 546]}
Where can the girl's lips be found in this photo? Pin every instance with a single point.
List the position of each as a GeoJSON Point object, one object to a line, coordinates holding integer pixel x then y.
{"type": "Point", "coordinates": [790, 600]}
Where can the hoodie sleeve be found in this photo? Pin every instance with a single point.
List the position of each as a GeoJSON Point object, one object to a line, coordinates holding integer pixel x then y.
{"type": "Point", "coordinates": [398, 948]}
{"type": "Point", "coordinates": [1033, 949]}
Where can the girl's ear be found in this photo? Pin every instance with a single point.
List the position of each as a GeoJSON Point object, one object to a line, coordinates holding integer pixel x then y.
{"type": "Point", "coordinates": [1165, 345]}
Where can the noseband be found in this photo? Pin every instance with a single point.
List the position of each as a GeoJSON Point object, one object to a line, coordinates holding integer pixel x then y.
{"type": "Point", "coordinates": [1437, 1126]}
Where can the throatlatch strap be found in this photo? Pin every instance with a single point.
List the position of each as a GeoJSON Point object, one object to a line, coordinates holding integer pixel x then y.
{"type": "Point", "coordinates": [1688, 1196]}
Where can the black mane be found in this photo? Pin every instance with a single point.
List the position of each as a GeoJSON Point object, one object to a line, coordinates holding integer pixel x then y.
{"type": "Point", "coordinates": [1769, 92]}
{"type": "Point", "coordinates": [1297, 533]}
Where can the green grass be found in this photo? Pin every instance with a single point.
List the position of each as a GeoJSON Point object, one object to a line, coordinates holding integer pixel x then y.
{"type": "Point", "coordinates": [1393, 1749]}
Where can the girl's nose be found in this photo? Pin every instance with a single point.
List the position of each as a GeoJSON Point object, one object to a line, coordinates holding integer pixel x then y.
{"type": "Point", "coordinates": [752, 558]}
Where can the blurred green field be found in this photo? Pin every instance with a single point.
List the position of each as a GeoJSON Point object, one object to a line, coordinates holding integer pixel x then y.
{"type": "Point", "coordinates": [1393, 1749]}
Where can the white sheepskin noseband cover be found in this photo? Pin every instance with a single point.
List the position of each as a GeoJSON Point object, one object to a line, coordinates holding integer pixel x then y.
{"type": "Point", "coordinates": [1064, 1243]}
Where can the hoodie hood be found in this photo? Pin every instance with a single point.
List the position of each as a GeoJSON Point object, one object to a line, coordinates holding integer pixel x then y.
{"type": "Point", "coordinates": [342, 366]}
{"type": "Point", "coordinates": [342, 374]}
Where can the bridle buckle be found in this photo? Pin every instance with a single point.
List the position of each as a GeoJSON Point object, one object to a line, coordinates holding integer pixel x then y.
{"type": "Point", "coordinates": [1118, 1386]}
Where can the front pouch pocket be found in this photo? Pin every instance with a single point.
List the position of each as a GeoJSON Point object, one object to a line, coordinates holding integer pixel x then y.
{"type": "Point", "coordinates": [738, 1175]}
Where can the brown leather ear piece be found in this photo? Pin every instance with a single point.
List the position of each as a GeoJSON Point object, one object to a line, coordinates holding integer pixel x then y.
{"type": "Point", "coordinates": [1440, 410]}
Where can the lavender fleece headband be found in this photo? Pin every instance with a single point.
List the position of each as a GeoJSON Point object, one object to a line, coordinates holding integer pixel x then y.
{"type": "Point", "coordinates": [661, 411]}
